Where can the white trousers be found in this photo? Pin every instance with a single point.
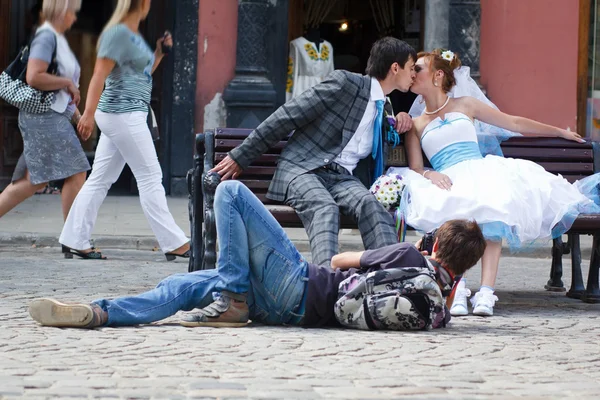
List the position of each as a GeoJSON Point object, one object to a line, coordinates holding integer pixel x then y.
{"type": "Point", "coordinates": [125, 138]}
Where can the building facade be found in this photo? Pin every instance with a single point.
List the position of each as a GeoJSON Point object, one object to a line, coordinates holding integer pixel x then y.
{"type": "Point", "coordinates": [532, 58]}
{"type": "Point", "coordinates": [535, 58]}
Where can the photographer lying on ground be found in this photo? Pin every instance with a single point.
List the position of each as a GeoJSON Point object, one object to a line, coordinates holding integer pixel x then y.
{"type": "Point", "coordinates": [262, 276]}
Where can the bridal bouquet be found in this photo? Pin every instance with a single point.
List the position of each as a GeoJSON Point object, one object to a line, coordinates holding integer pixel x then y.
{"type": "Point", "coordinates": [387, 190]}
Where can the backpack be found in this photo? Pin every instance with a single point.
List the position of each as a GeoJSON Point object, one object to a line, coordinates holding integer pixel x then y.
{"type": "Point", "coordinates": [393, 299]}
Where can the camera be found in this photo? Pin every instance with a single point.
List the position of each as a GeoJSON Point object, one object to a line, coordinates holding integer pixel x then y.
{"type": "Point", "coordinates": [427, 242]}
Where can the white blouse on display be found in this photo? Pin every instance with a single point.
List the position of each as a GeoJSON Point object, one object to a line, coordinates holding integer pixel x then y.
{"type": "Point", "coordinates": [308, 65]}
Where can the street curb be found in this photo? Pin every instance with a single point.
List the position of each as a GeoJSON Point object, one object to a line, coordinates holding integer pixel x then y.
{"type": "Point", "coordinates": [124, 242]}
{"type": "Point", "coordinates": [351, 243]}
{"type": "Point", "coordinates": [112, 242]}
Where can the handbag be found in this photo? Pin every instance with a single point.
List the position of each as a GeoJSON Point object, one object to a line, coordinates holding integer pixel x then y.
{"type": "Point", "coordinates": [152, 124]}
{"type": "Point", "coordinates": [15, 90]}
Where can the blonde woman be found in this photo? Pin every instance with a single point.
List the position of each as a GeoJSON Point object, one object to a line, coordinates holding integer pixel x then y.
{"type": "Point", "coordinates": [51, 149]}
{"type": "Point", "coordinates": [118, 98]}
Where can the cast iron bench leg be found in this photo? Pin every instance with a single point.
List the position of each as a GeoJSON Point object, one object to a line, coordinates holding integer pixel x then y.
{"type": "Point", "coordinates": [210, 182]}
{"type": "Point", "coordinates": [577, 287]}
{"type": "Point", "coordinates": [592, 292]}
{"type": "Point", "coordinates": [196, 205]}
{"type": "Point", "coordinates": [555, 284]}
{"type": "Point", "coordinates": [192, 213]}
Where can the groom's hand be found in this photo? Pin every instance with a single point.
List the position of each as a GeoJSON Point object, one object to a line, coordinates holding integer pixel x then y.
{"type": "Point", "coordinates": [227, 168]}
{"type": "Point", "coordinates": [404, 122]}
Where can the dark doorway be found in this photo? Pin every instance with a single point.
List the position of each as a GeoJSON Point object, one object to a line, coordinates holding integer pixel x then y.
{"type": "Point", "coordinates": [351, 28]}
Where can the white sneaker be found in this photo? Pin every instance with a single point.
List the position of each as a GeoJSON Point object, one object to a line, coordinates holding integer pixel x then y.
{"type": "Point", "coordinates": [483, 304]}
{"type": "Point", "coordinates": [459, 305]}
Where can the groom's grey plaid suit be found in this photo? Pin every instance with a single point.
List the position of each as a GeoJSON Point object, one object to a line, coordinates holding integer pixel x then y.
{"type": "Point", "coordinates": [324, 119]}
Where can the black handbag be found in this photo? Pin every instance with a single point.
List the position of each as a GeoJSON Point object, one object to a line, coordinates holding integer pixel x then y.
{"type": "Point", "coordinates": [15, 90]}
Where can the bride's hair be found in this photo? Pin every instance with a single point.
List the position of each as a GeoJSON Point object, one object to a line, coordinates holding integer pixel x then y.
{"type": "Point", "coordinates": [437, 63]}
{"type": "Point", "coordinates": [123, 8]}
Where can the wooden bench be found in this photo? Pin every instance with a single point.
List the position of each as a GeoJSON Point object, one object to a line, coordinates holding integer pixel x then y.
{"type": "Point", "coordinates": [572, 160]}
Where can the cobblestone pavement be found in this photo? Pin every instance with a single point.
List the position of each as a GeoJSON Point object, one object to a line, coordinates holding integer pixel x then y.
{"type": "Point", "coordinates": [539, 345]}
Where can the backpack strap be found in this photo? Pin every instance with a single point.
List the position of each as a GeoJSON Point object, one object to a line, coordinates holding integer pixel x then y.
{"type": "Point", "coordinates": [443, 277]}
{"type": "Point", "coordinates": [53, 66]}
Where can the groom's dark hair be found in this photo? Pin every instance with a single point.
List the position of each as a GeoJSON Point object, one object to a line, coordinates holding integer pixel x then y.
{"type": "Point", "coordinates": [385, 52]}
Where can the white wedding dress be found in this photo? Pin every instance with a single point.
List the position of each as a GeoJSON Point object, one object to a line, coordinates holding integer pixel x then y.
{"type": "Point", "coordinates": [510, 199]}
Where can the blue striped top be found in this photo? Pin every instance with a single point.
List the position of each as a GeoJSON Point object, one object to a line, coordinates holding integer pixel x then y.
{"type": "Point", "coordinates": [129, 85]}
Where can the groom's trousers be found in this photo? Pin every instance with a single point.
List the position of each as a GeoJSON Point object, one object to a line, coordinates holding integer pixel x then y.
{"type": "Point", "coordinates": [318, 198]}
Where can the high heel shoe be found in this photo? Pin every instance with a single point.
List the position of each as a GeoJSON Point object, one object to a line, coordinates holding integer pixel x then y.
{"type": "Point", "coordinates": [92, 255]}
{"type": "Point", "coordinates": [172, 256]}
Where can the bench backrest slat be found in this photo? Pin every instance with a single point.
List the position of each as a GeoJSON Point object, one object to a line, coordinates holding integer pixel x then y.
{"type": "Point", "coordinates": [549, 154]}
{"type": "Point", "coordinates": [222, 144]}
{"type": "Point", "coordinates": [265, 159]}
{"type": "Point", "coordinates": [544, 142]}
{"type": "Point", "coordinates": [571, 160]}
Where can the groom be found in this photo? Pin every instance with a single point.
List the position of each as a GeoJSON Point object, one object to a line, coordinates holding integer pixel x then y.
{"type": "Point", "coordinates": [336, 150]}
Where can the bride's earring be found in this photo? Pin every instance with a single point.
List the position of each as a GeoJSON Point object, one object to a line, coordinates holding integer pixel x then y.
{"type": "Point", "coordinates": [435, 83]}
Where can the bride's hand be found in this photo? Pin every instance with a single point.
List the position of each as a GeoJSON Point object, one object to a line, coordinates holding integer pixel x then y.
{"type": "Point", "coordinates": [574, 136]}
{"type": "Point", "coordinates": [440, 180]}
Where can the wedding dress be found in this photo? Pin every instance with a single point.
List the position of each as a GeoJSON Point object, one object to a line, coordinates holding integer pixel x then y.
{"type": "Point", "coordinates": [510, 199]}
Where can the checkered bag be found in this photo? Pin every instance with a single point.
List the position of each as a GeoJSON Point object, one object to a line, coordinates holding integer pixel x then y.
{"type": "Point", "coordinates": [15, 90]}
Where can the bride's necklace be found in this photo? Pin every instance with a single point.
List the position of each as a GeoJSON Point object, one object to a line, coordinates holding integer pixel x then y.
{"type": "Point", "coordinates": [439, 109]}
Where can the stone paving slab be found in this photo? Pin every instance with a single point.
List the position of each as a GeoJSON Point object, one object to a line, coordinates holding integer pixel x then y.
{"type": "Point", "coordinates": [539, 345]}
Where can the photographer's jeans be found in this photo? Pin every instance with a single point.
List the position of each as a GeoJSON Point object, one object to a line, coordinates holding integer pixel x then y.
{"type": "Point", "coordinates": [255, 257]}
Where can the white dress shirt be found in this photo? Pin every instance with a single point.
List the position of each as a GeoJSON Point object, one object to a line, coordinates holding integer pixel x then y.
{"type": "Point", "coordinates": [68, 67]}
{"type": "Point", "coordinates": [361, 144]}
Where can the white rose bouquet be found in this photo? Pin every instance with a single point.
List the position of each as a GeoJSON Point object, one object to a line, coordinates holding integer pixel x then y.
{"type": "Point", "coordinates": [387, 190]}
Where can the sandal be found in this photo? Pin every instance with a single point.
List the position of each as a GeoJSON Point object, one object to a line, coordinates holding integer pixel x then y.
{"type": "Point", "coordinates": [92, 255]}
{"type": "Point", "coordinates": [172, 256]}
{"type": "Point", "coordinates": [48, 190]}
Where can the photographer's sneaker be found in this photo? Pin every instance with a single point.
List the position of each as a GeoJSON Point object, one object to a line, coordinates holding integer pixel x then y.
{"type": "Point", "coordinates": [224, 312]}
{"type": "Point", "coordinates": [459, 305]}
{"type": "Point", "coordinates": [483, 303]}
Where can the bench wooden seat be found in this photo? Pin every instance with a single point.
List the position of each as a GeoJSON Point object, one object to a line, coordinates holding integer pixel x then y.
{"type": "Point", "coordinates": [571, 160]}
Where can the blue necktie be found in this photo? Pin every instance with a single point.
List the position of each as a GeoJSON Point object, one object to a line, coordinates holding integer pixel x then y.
{"type": "Point", "coordinates": [377, 151]}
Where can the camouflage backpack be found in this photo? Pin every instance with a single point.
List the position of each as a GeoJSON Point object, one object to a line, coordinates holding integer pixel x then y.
{"type": "Point", "coordinates": [393, 299]}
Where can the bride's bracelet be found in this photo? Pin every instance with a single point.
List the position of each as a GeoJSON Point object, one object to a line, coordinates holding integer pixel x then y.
{"type": "Point", "coordinates": [425, 173]}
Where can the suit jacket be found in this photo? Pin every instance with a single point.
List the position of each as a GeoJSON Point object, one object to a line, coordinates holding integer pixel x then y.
{"type": "Point", "coordinates": [324, 118]}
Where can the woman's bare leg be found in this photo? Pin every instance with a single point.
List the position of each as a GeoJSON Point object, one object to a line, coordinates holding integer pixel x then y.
{"type": "Point", "coordinates": [485, 299]}
{"type": "Point", "coordinates": [16, 192]}
{"type": "Point", "coordinates": [69, 191]}
{"type": "Point", "coordinates": [489, 263]}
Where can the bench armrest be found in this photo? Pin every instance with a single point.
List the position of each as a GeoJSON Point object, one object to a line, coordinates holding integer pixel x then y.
{"type": "Point", "coordinates": [596, 153]}
{"type": "Point", "coordinates": [208, 149]}
{"type": "Point", "coordinates": [201, 213]}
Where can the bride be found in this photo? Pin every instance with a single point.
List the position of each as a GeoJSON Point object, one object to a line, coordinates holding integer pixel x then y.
{"type": "Point", "coordinates": [511, 199]}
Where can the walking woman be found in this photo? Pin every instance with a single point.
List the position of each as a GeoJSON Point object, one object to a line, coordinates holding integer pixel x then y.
{"type": "Point", "coordinates": [51, 149]}
{"type": "Point", "coordinates": [124, 68]}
